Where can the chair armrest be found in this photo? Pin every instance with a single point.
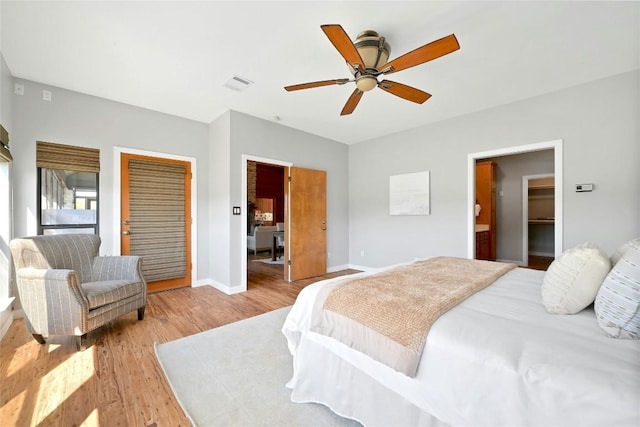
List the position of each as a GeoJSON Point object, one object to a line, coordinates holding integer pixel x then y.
{"type": "Point", "coordinates": [38, 287]}
{"type": "Point", "coordinates": [117, 268]}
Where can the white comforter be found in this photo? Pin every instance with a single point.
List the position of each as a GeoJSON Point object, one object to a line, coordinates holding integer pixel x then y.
{"type": "Point", "coordinates": [497, 359]}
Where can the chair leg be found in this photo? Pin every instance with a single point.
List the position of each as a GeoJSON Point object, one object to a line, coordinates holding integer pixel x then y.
{"type": "Point", "coordinates": [39, 338]}
{"type": "Point", "coordinates": [141, 312]}
{"type": "Point", "coordinates": [79, 342]}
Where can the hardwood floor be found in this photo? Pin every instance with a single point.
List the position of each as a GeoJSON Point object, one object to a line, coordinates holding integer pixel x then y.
{"type": "Point", "coordinates": [539, 262]}
{"type": "Point", "coordinates": [117, 381]}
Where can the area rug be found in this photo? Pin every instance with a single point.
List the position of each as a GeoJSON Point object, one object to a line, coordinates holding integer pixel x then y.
{"type": "Point", "coordinates": [235, 375]}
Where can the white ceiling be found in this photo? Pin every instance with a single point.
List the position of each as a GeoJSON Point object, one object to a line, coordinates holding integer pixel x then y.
{"type": "Point", "coordinates": [175, 56]}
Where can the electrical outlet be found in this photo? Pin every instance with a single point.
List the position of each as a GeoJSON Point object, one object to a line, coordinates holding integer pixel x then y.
{"type": "Point", "coordinates": [46, 95]}
{"type": "Point", "coordinates": [362, 252]}
{"type": "Point", "coordinates": [328, 255]}
{"type": "Point", "coordinates": [18, 89]}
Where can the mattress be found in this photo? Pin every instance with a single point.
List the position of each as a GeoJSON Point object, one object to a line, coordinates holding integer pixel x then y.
{"type": "Point", "coordinates": [496, 359]}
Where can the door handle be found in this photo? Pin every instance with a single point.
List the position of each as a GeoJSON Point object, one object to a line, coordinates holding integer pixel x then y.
{"type": "Point", "coordinates": [126, 232]}
{"type": "Point", "coordinates": [126, 222]}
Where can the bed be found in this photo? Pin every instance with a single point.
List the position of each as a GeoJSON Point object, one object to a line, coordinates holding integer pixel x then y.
{"type": "Point", "coordinates": [498, 358]}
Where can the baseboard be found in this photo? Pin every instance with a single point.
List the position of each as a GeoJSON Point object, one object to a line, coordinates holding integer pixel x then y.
{"type": "Point", "coordinates": [6, 315]}
{"type": "Point", "coordinates": [337, 268]}
{"type": "Point", "coordinates": [229, 290]}
{"type": "Point", "coordinates": [360, 267]}
{"type": "Point", "coordinates": [202, 282]}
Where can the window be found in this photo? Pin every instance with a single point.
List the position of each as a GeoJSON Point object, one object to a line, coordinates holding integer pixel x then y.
{"type": "Point", "coordinates": [67, 188]}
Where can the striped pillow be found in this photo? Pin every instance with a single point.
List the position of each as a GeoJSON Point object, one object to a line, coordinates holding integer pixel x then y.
{"type": "Point", "coordinates": [617, 304]}
{"type": "Point", "coordinates": [615, 257]}
{"type": "Point", "coordinates": [572, 281]}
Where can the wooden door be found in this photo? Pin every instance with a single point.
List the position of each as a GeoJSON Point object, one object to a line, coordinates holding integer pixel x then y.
{"type": "Point", "coordinates": [306, 223]}
{"type": "Point", "coordinates": [486, 198]}
{"type": "Point", "coordinates": [156, 218]}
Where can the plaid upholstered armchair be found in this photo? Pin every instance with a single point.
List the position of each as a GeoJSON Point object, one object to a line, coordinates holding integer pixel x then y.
{"type": "Point", "coordinates": [65, 288]}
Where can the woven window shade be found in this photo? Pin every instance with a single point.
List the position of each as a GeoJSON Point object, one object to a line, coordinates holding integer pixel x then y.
{"type": "Point", "coordinates": [67, 157]}
{"type": "Point", "coordinates": [157, 219]}
{"type": "Point", "coordinates": [5, 154]}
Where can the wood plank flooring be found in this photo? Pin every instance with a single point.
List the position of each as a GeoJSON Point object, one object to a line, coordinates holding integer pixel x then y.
{"type": "Point", "coordinates": [117, 381]}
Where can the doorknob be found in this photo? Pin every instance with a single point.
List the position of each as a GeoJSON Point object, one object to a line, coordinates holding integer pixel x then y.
{"type": "Point", "coordinates": [126, 232]}
{"type": "Point", "coordinates": [126, 222]}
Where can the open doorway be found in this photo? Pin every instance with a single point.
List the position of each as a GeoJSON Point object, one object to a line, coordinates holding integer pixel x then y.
{"type": "Point", "coordinates": [265, 217]}
{"type": "Point", "coordinates": [509, 234]}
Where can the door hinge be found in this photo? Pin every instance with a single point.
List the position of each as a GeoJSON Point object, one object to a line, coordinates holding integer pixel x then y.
{"type": "Point", "coordinates": [289, 262]}
{"type": "Point", "coordinates": [289, 178]}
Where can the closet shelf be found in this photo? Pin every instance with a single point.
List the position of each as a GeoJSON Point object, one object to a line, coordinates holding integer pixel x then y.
{"type": "Point", "coordinates": [542, 187]}
{"type": "Point", "coordinates": [542, 221]}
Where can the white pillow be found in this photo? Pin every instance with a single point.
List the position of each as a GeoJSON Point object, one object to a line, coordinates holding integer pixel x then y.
{"type": "Point", "coordinates": [572, 281]}
{"type": "Point", "coordinates": [618, 301]}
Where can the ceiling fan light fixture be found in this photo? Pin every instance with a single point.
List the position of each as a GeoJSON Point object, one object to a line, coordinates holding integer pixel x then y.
{"type": "Point", "coordinates": [373, 49]}
{"type": "Point", "coordinates": [365, 82]}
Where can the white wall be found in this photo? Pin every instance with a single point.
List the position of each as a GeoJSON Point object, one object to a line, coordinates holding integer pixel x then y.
{"type": "Point", "coordinates": [220, 201]}
{"type": "Point", "coordinates": [73, 118]}
{"type": "Point", "coordinates": [598, 123]}
{"type": "Point", "coordinates": [256, 137]}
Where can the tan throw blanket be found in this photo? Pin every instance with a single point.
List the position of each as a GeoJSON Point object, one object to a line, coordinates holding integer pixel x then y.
{"type": "Point", "coordinates": [388, 315]}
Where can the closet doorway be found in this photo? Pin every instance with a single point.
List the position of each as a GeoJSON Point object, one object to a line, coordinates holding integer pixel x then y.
{"type": "Point", "coordinates": [513, 235]}
{"type": "Point", "coordinates": [538, 217]}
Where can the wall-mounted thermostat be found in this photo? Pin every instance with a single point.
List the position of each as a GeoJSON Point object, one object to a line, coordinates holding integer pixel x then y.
{"type": "Point", "coordinates": [582, 188]}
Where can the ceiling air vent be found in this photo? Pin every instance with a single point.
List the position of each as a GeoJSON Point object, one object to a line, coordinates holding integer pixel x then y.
{"type": "Point", "coordinates": [238, 83]}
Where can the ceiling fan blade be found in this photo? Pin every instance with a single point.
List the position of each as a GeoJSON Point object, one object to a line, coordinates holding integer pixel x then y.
{"type": "Point", "coordinates": [423, 54]}
{"type": "Point", "coordinates": [403, 91]}
{"type": "Point", "coordinates": [316, 84]}
{"type": "Point", "coordinates": [343, 44]}
{"type": "Point", "coordinates": [352, 102]}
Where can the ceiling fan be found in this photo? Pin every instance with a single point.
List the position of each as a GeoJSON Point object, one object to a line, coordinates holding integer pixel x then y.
{"type": "Point", "coordinates": [367, 59]}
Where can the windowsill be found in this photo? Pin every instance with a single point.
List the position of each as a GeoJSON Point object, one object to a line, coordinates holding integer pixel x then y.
{"type": "Point", "coordinates": [6, 315]}
{"type": "Point", "coordinates": [5, 304]}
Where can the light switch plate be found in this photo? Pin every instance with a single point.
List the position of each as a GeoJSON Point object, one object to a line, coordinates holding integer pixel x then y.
{"type": "Point", "coordinates": [583, 188]}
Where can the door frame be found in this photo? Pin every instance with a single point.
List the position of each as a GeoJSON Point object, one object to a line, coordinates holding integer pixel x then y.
{"type": "Point", "coordinates": [525, 213]}
{"type": "Point", "coordinates": [556, 146]}
{"type": "Point", "coordinates": [243, 210]}
{"type": "Point", "coordinates": [117, 151]}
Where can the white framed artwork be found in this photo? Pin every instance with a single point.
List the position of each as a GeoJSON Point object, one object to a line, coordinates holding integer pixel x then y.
{"type": "Point", "coordinates": [409, 194]}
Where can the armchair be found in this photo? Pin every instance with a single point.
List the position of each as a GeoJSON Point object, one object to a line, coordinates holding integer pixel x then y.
{"type": "Point", "coordinates": [261, 239]}
{"type": "Point", "coordinates": [65, 288]}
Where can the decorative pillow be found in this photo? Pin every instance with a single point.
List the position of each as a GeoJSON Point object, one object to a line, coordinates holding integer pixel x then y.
{"type": "Point", "coordinates": [615, 257]}
{"type": "Point", "coordinates": [572, 281]}
{"type": "Point", "coordinates": [618, 301]}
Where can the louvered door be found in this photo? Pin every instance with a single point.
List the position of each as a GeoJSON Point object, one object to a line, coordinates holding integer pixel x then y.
{"type": "Point", "coordinates": [156, 218]}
